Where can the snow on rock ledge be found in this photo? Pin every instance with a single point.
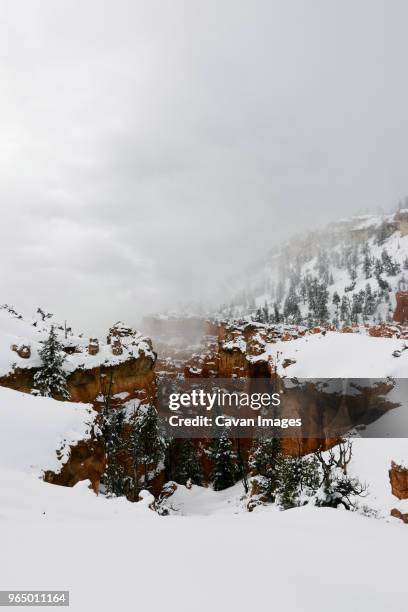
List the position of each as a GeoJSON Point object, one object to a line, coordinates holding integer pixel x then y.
{"type": "Point", "coordinates": [18, 331]}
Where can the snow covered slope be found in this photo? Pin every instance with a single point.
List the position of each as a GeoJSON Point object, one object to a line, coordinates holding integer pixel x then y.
{"type": "Point", "coordinates": [33, 429]}
{"type": "Point", "coordinates": [347, 273]}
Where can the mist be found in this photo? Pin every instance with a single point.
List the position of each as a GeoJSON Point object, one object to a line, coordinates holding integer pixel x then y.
{"type": "Point", "coordinates": [152, 150]}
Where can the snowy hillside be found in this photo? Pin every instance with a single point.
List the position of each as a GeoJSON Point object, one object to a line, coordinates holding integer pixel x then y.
{"type": "Point", "coordinates": [21, 339]}
{"type": "Point", "coordinates": [34, 429]}
{"type": "Point", "coordinates": [347, 274]}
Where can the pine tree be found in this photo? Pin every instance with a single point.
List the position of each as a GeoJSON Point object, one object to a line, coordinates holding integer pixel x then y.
{"type": "Point", "coordinates": [336, 300]}
{"type": "Point", "coordinates": [370, 302]}
{"type": "Point", "coordinates": [318, 298]}
{"type": "Point", "coordinates": [265, 312]}
{"type": "Point", "coordinates": [378, 268]}
{"type": "Point", "coordinates": [392, 268]}
{"type": "Point", "coordinates": [291, 309]}
{"type": "Point", "coordinates": [188, 467]}
{"type": "Point", "coordinates": [367, 265]}
{"type": "Point", "coordinates": [115, 478]}
{"type": "Point", "coordinates": [298, 478]}
{"type": "Point", "coordinates": [264, 460]}
{"type": "Point", "coordinates": [50, 380]}
{"type": "Point", "coordinates": [345, 310]}
{"type": "Point", "coordinates": [146, 442]}
{"type": "Point", "coordinates": [224, 469]}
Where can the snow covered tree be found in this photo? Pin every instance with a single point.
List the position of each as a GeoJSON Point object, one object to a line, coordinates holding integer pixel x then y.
{"type": "Point", "coordinates": [50, 380]}
{"type": "Point", "coordinates": [369, 302]}
{"type": "Point", "coordinates": [224, 470]}
{"type": "Point", "coordinates": [298, 479]}
{"type": "Point", "coordinates": [264, 461]}
{"type": "Point", "coordinates": [367, 265]}
{"type": "Point", "coordinates": [188, 467]}
{"type": "Point", "coordinates": [391, 267]}
{"type": "Point", "coordinates": [291, 309]}
{"type": "Point", "coordinates": [378, 268]}
{"type": "Point", "coordinates": [345, 310]}
{"type": "Point", "coordinates": [146, 442]}
{"type": "Point", "coordinates": [336, 300]}
{"type": "Point", "coordinates": [115, 477]}
{"type": "Point", "coordinates": [357, 305]}
{"type": "Point", "coordinates": [277, 317]}
{"type": "Point", "coordinates": [336, 486]}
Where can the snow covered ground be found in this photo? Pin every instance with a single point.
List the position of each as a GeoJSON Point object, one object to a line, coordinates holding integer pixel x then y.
{"type": "Point", "coordinates": [338, 355]}
{"type": "Point", "coordinates": [209, 554]}
{"type": "Point", "coordinates": [113, 555]}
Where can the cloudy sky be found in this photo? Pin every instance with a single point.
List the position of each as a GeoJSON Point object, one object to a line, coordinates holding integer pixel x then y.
{"type": "Point", "coordinates": [151, 149]}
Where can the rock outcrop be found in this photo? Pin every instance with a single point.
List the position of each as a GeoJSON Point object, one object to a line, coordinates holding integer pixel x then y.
{"type": "Point", "coordinates": [401, 310]}
{"type": "Point", "coordinates": [87, 461]}
{"type": "Point", "coordinates": [399, 480]}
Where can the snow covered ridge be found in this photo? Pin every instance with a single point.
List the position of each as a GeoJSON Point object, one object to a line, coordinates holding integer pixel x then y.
{"type": "Point", "coordinates": [36, 432]}
{"type": "Point", "coordinates": [348, 273]}
{"type": "Point", "coordinates": [21, 338]}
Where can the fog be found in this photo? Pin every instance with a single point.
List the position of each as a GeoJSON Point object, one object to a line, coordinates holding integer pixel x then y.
{"type": "Point", "coordinates": [151, 150]}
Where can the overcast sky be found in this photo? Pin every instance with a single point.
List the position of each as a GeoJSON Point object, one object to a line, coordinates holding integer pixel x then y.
{"type": "Point", "coordinates": [150, 149]}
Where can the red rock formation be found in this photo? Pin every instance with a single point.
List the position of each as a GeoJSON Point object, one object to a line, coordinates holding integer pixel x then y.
{"type": "Point", "coordinates": [403, 516]}
{"type": "Point", "coordinates": [85, 385]}
{"type": "Point", "coordinates": [93, 346]}
{"type": "Point", "coordinates": [401, 310]}
{"type": "Point", "coordinates": [87, 460]}
{"type": "Point", "coordinates": [399, 480]}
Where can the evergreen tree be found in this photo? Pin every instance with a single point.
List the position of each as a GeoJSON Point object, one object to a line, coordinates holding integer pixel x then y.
{"type": "Point", "coordinates": [276, 314]}
{"type": "Point", "coordinates": [50, 380]}
{"type": "Point", "coordinates": [369, 302]}
{"type": "Point", "coordinates": [336, 300]}
{"type": "Point", "coordinates": [318, 297]}
{"type": "Point", "coordinates": [188, 467]}
{"type": "Point", "coordinates": [378, 268]}
{"type": "Point", "coordinates": [264, 460]}
{"type": "Point", "coordinates": [146, 442]}
{"type": "Point", "coordinates": [265, 313]}
{"type": "Point", "coordinates": [115, 478]}
{"type": "Point", "coordinates": [392, 268]}
{"type": "Point", "coordinates": [345, 310]}
{"type": "Point", "coordinates": [367, 265]}
{"type": "Point", "coordinates": [222, 456]}
{"type": "Point", "coordinates": [298, 478]}
{"type": "Point", "coordinates": [291, 309]}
